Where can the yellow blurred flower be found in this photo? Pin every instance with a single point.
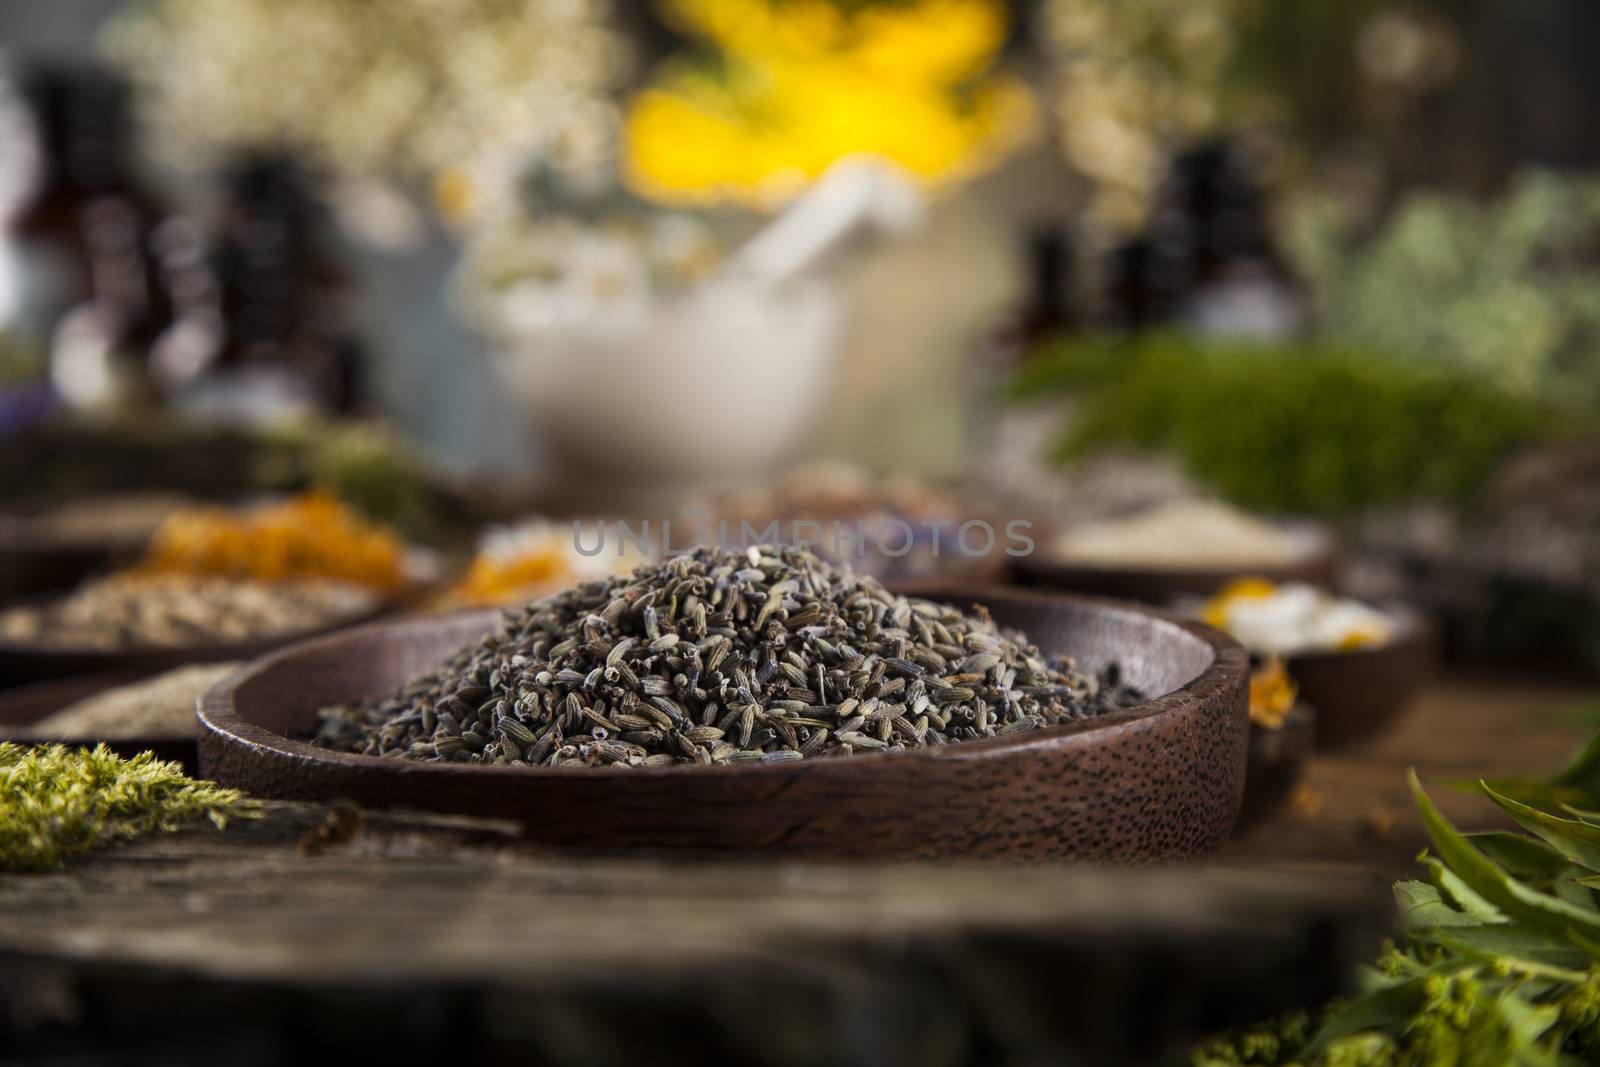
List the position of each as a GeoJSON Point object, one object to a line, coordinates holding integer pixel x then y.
{"type": "Point", "coordinates": [453, 194]}
{"type": "Point", "coordinates": [802, 84]}
{"type": "Point", "coordinates": [1272, 694]}
{"type": "Point", "coordinates": [1216, 609]}
{"type": "Point", "coordinates": [521, 579]}
{"type": "Point", "coordinates": [1362, 637]}
{"type": "Point", "coordinates": [520, 564]}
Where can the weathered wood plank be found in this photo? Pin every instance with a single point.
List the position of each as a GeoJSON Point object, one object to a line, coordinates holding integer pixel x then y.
{"type": "Point", "coordinates": [423, 938]}
{"type": "Point", "coordinates": [415, 933]}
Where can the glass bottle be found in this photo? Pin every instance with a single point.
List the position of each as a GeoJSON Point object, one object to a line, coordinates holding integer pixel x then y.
{"type": "Point", "coordinates": [80, 238]}
{"type": "Point", "coordinates": [273, 336]}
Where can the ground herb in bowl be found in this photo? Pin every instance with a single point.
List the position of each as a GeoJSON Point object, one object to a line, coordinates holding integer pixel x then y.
{"type": "Point", "coordinates": [724, 656]}
{"type": "Point", "coordinates": [159, 707]}
{"type": "Point", "coordinates": [138, 611]}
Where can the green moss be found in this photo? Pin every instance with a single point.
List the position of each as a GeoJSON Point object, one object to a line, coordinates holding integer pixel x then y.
{"type": "Point", "coordinates": [57, 802]}
{"type": "Point", "coordinates": [360, 463]}
{"type": "Point", "coordinates": [1305, 429]}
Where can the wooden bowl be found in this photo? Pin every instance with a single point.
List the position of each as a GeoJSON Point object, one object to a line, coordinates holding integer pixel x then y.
{"type": "Point", "coordinates": [34, 561]}
{"type": "Point", "coordinates": [31, 565]}
{"type": "Point", "coordinates": [1158, 781]}
{"type": "Point", "coordinates": [27, 569]}
{"type": "Point", "coordinates": [1317, 564]}
{"type": "Point", "coordinates": [21, 664]}
{"type": "Point", "coordinates": [21, 707]}
{"type": "Point", "coordinates": [1360, 693]}
{"type": "Point", "coordinates": [1277, 758]}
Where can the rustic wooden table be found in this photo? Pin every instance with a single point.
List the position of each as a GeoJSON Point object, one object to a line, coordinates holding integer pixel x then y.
{"type": "Point", "coordinates": [424, 939]}
{"type": "Point", "coordinates": [1354, 807]}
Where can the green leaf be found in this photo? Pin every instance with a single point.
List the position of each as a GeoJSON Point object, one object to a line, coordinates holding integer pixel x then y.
{"type": "Point", "coordinates": [1526, 950]}
{"type": "Point", "coordinates": [1583, 771]}
{"type": "Point", "coordinates": [1494, 970]}
{"type": "Point", "coordinates": [1569, 890]}
{"type": "Point", "coordinates": [1526, 1025]}
{"type": "Point", "coordinates": [1540, 911]}
{"type": "Point", "coordinates": [1388, 1008]}
{"type": "Point", "coordinates": [1588, 945]}
{"type": "Point", "coordinates": [1537, 794]}
{"type": "Point", "coordinates": [1422, 906]}
{"type": "Point", "coordinates": [1576, 840]}
{"type": "Point", "coordinates": [1521, 856]}
{"type": "Point", "coordinates": [1459, 894]}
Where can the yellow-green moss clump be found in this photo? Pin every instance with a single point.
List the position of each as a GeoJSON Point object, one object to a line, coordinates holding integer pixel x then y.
{"type": "Point", "coordinates": [57, 802]}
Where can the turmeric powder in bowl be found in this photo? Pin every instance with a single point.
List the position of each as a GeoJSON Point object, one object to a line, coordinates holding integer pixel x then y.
{"type": "Point", "coordinates": [308, 536]}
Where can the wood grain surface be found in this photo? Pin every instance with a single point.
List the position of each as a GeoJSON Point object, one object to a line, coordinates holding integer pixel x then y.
{"type": "Point", "coordinates": [425, 939]}
{"type": "Point", "coordinates": [420, 939]}
{"type": "Point", "coordinates": [1353, 806]}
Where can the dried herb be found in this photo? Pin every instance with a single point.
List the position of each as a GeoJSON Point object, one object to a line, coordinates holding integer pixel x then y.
{"type": "Point", "coordinates": [723, 656]}
{"type": "Point", "coordinates": [57, 802]}
{"type": "Point", "coordinates": [1501, 959]}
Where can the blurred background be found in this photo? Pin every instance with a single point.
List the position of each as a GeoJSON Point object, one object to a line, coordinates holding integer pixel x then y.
{"type": "Point", "coordinates": [473, 266]}
{"type": "Point", "coordinates": [1283, 314]}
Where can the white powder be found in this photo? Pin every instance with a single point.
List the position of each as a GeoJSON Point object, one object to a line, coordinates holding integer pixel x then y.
{"type": "Point", "coordinates": [1181, 534]}
{"type": "Point", "coordinates": [162, 706]}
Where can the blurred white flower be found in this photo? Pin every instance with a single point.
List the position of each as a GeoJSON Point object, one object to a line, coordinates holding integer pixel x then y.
{"type": "Point", "coordinates": [400, 89]}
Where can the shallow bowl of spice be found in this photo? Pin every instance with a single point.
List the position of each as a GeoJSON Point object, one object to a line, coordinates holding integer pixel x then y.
{"type": "Point", "coordinates": [214, 584]}
{"type": "Point", "coordinates": [128, 713]}
{"type": "Point", "coordinates": [1184, 548]}
{"type": "Point", "coordinates": [47, 549]}
{"type": "Point", "coordinates": [1362, 692]}
{"type": "Point", "coordinates": [766, 701]}
{"type": "Point", "coordinates": [140, 624]}
{"type": "Point", "coordinates": [1359, 666]}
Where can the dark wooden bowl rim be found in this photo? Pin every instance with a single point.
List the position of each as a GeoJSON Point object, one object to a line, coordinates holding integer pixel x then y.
{"type": "Point", "coordinates": [1228, 666]}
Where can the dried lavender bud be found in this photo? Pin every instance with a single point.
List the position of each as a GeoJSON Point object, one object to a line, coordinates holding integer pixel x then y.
{"type": "Point", "coordinates": [600, 675]}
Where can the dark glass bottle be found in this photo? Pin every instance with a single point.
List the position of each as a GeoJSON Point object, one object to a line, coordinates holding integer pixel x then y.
{"type": "Point", "coordinates": [85, 232]}
{"type": "Point", "coordinates": [1206, 261]}
{"type": "Point", "coordinates": [1150, 278]}
{"type": "Point", "coordinates": [274, 335]}
{"type": "Point", "coordinates": [1051, 305]}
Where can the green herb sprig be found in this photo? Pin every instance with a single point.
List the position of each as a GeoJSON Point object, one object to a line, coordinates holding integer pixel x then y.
{"type": "Point", "coordinates": [57, 802]}
{"type": "Point", "coordinates": [1305, 429]}
{"type": "Point", "coordinates": [1500, 964]}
